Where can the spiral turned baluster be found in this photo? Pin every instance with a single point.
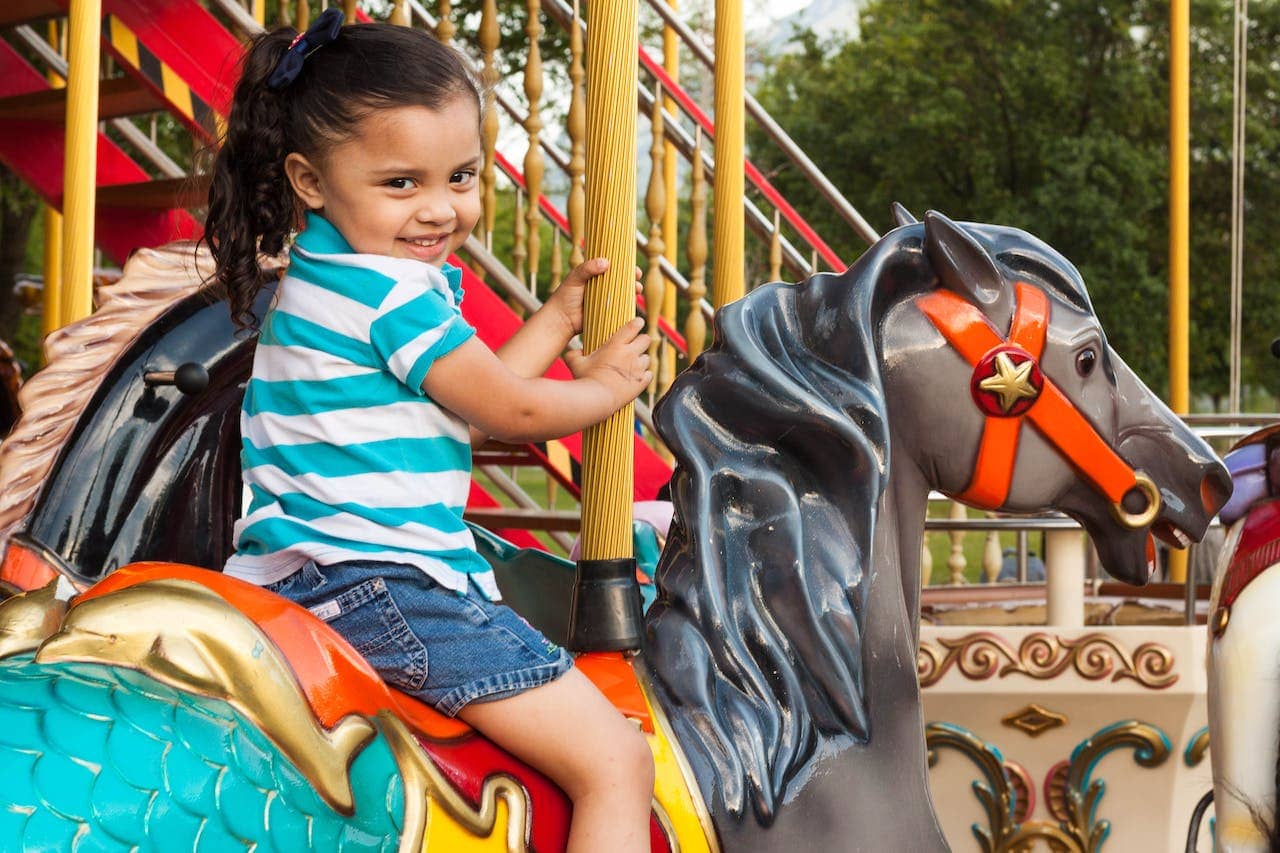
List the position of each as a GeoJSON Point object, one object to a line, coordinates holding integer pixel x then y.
{"type": "Point", "coordinates": [519, 248]}
{"type": "Point", "coordinates": [957, 562]}
{"type": "Point", "coordinates": [695, 325]}
{"type": "Point", "coordinates": [775, 248]}
{"type": "Point", "coordinates": [533, 126]}
{"type": "Point", "coordinates": [489, 36]}
{"type": "Point", "coordinates": [444, 26]}
{"type": "Point", "coordinates": [655, 206]}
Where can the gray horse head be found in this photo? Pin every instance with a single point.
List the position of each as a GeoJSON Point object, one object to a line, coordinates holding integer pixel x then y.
{"type": "Point", "coordinates": [984, 264]}
{"type": "Point", "coordinates": [807, 439]}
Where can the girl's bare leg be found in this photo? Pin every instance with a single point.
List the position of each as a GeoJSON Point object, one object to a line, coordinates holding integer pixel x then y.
{"type": "Point", "coordinates": [568, 730]}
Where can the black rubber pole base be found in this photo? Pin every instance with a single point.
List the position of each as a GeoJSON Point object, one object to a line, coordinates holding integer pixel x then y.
{"type": "Point", "coordinates": [606, 614]}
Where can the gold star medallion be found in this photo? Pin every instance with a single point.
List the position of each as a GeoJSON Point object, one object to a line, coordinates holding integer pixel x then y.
{"type": "Point", "coordinates": [1010, 382]}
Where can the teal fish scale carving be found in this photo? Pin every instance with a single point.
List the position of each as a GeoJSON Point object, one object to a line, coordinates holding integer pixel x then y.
{"type": "Point", "coordinates": [111, 760]}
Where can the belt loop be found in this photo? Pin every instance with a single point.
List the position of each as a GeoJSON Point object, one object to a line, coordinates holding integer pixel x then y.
{"type": "Point", "coordinates": [312, 575]}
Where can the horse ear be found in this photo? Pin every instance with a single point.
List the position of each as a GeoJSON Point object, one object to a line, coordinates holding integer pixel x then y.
{"type": "Point", "coordinates": [964, 266]}
{"type": "Point", "coordinates": [901, 216]}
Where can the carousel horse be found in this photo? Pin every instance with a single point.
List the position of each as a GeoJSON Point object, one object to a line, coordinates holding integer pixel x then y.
{"type": "Point", "coordinates": [1244, 654]}
{"type": "Point", "coordinates": [777, 680]}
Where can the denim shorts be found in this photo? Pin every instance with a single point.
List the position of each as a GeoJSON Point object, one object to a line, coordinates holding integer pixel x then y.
{"type": "Point", "coordinates": [437, 645]}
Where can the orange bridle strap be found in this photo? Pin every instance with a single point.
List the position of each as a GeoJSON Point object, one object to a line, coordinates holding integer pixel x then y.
{"type": "Point", "coordinates": [1053, 415]}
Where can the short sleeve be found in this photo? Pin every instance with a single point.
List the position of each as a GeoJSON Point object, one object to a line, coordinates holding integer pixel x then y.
{"type": "Point", "coordinates": [419, 329]}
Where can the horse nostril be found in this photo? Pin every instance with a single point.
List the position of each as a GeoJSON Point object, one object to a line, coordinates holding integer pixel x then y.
{"type": "Point", "coordinates": [1215, 488]}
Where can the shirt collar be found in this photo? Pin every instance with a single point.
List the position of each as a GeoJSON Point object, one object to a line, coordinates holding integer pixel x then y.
{"type": "Point", "coordinates": [320, 237]}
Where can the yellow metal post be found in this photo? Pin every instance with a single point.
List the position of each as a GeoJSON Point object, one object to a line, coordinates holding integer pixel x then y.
{"type": "Point", "coordinates": [52, 314]}
{"type": "Point", "coordinates": [51, 319]}
{"type": "Point", "coordinates": [728, 270]}
{"type": "Point", "coordinates": [607, 451]}
{"type": "Point", "coordinates": [80, 170]}
{"type": "Point", "coordinates": [1179, 225]}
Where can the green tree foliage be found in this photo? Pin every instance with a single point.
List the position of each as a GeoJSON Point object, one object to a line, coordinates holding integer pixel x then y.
{"type": "Point", "coordinates": [1050, 115]}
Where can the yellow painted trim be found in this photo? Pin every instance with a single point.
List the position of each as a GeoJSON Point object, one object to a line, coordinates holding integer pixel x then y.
{"type": "Point", "coordinates": [558, 456]}
{"type": "Point", "coordinates": [675, 788]}
{"type": "Point", "coordinates": [125, 42]}
{"type": "Point", "coordinates": [178, 92]}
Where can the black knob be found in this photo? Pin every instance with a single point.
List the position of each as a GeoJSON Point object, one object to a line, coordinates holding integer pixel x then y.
{"type": "Point", "coordinates": [189, 378]}
{"type": "Point", "coordinates": [1275, 347]}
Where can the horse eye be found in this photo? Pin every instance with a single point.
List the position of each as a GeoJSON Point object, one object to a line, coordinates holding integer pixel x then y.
{"type": "Point", "coordinates": [1086, 361]}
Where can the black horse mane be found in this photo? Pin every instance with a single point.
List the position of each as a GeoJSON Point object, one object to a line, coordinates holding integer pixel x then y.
{"type": "Point", "coordinates": [779, 432]}
{"type": "Point", "coordinates": [755, 642]}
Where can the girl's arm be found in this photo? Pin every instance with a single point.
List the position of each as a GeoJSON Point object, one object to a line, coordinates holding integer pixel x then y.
{"type": "Point", "coordinates": [479, 387]}
{"type": "Point", "coordinates": [543, 337]}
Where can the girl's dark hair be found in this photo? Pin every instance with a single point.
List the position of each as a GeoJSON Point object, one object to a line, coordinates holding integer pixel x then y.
{"type": "Point", "coordinates": [252, 207]}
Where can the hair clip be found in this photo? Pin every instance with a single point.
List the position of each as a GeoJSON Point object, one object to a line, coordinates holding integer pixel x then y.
{"type": "Point", "coordinates": [322, 32]}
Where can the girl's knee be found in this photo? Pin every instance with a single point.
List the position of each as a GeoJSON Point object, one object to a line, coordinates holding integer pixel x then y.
{"type": "Point", "coordinates": [624, 765]}
{"type": "Point", "coordinates": [634, 761]}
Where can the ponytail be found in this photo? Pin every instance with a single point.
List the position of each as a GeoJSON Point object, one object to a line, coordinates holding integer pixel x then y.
{"type": "Point", "coordinates": [367, 67]}
{"type": "Point", "coordinates": [252, 208]}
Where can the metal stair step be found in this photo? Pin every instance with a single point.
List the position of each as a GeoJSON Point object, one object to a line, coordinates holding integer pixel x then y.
{"type": "Point", "coordinates": [118, 97]}
{"type": "Point", "coordinates": [15, 12]}
{"type": "Point", "coordinates": [162, 194]}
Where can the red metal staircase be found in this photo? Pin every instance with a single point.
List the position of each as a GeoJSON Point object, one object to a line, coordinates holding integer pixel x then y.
{"type": "Point", "coordinates": [178, 58]}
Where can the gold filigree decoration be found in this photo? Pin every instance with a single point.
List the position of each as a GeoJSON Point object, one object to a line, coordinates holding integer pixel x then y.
{"type": "Point", "coordinates": [994, 792]}
{"type": "Point", "coordinates": [1021, 783]}
{"type": "Point", "coordinates": [1034, 720]}
{"type": "Point", "coordinates": [1196, 747]}
{"type": "Point", "coordinates": [183, 634]}
{"type": "Point", "coordinates": [1055, 790]}
{"type": "Point", "coordinates": [28, 618]}
{"type": "Point", "coordinates": [1041, 656]}
{"type": "Point", "coordinates": [421, 775]}
{"type": "Point", "coordinates": [1077, 829]}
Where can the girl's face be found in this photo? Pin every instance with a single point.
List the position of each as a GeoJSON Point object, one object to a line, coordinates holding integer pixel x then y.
{"type": "Point", "coordinates": [405, 185]}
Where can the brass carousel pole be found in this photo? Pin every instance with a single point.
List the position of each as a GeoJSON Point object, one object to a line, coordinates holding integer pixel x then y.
{"type": "Point", "coordinates": [1179, 227]}
{"type": "Point", "coordinates": [606, 611]}
{"type": "Point", "coordinates": [728, 272]}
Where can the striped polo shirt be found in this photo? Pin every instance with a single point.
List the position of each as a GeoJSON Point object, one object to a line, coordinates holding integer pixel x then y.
{"type": "Point", "coordinates": [343, 454]}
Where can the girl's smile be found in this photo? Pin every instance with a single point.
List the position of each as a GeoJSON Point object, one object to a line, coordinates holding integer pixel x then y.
{"type": "Point", "coordinates": [406, 185]}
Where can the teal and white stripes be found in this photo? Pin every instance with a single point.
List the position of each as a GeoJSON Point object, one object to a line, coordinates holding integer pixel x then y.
{"type": "Point", "coordinates": [344, 455]}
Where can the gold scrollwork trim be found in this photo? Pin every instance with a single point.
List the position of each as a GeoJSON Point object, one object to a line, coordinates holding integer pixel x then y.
{"type": "Point", "coordinates": [28, 618]}
{"type": "Point", "coordinates": [1078, 829]}
{"type": "Point", "coordinates": [995, 793]}
{"type": "Point", "coordinates": [1034, 720]}
{"type": "Point", "coordinates": [187, 636]}
{"type": "Point", "coordinates": [424, 783]}
{"type": "Point", "coordinates": [1041, 656]}
{"type": "Point", "coordinates": [1197, 747]}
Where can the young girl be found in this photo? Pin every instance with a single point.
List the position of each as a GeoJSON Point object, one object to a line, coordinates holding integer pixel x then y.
{"type": "Point", "coordinates": [369, 390]}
